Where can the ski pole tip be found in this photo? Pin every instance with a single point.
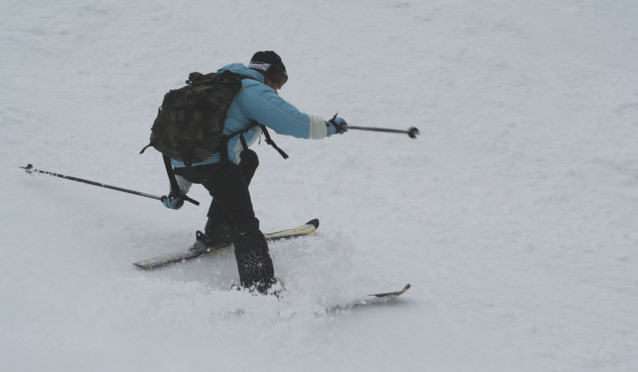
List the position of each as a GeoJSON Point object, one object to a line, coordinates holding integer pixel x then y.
{"type": "Point", "coordinates": [413, 132]}
{"type": "Point", "coordinates": [28, 168]}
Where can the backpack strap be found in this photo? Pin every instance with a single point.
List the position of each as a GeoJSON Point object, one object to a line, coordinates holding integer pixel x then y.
{"type": "Point", "coordinates": [271, 142]}
{"type": "Point", "coordinates": [171, 178]}
{"type": "Point", "coordinates": [151, 143]}
{"type": "Point", "coordinates": [244, 144]}
{"type": "Point", "coordinates": [223, 153]}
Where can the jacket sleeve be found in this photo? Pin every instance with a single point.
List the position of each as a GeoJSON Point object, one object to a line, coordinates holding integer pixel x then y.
{"type": "Point", "coordinates": [263, 105]}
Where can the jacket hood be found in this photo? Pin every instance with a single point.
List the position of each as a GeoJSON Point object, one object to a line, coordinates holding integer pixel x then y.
{"type": "Point", "coordinates": [243, 71]}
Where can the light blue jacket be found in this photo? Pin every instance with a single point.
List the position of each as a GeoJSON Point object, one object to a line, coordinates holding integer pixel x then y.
{"type": "Point", "coordinates": [255, 103]}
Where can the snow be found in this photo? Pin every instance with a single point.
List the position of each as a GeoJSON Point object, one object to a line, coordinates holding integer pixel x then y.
{"type": "Point", "coordinates": [513, 215]}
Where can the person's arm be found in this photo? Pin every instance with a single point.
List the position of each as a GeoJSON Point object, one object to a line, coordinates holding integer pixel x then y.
{"type": "Point", "coordinates": [263, 105]}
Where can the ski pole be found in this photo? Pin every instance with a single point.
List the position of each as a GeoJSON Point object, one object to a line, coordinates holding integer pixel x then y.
{"type": "Point", "coordinates": [29, 169]}
{"type": "Point", "coordinates": [412, 131]}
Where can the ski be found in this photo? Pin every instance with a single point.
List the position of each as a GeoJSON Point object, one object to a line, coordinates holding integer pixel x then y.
{"type": "Point", "coordinates": [391, 294]}
{"type": "Point", "coordinates": [377, 298]}
{"type": "Point", "coordinates": [198, 249]}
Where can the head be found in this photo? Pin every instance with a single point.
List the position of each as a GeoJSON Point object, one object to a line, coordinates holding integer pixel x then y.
{"type": "Point", "coordinates": [269, 64]}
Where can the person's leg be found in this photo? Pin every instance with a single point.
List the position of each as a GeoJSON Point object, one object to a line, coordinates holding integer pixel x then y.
{"type": "Point", "coordinates": [217, 231]}
{"type": "Point", "coordinates": [229, 188]}
{"type": "Point", "coordinates": [217, 228]}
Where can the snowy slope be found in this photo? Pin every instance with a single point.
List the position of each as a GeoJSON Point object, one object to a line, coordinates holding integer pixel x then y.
{"type": "Point", "coordinates": [513, 215]}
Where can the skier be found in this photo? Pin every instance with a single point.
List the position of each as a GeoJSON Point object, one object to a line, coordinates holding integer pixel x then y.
{"type": "Point", "coordinates": [227, 176]}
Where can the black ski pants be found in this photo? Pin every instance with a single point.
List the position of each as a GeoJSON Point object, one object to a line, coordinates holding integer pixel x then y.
{"type": "Point", "coordinates": [228, 185]}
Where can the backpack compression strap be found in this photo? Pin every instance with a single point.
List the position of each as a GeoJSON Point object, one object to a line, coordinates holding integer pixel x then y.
{"type": "Point", "coordinates": [271, 142]}
{"type": "Point", "coordinates": [175, 191]}
{"type": "Point", "coordinates": [244, 144]}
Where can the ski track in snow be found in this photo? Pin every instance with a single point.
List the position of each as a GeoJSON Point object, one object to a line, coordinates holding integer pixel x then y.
{"type": "Point", "coordinates": [513, 215]}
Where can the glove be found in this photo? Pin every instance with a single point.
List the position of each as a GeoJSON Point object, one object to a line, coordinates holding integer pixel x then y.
{"type": "Point", "coordinates": [336, 125]}
{"type": "Point", "coordinates": [174, 201]}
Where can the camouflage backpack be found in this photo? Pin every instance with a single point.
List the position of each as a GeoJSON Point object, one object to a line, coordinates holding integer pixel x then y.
{"type": "Point", "coordinates": [190, 122]}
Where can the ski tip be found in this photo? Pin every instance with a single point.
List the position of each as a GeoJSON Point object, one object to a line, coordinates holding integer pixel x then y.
{"type": "Point", "coordinates": [146, 265]}
{"type": "Point", "coordinates": [393, 294]}
{"type": "Point", "coordinates": [314, 223]}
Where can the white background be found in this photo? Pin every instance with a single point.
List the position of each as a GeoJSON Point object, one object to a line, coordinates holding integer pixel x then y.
{"type": "Point", "coordinates": [513, 216]}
